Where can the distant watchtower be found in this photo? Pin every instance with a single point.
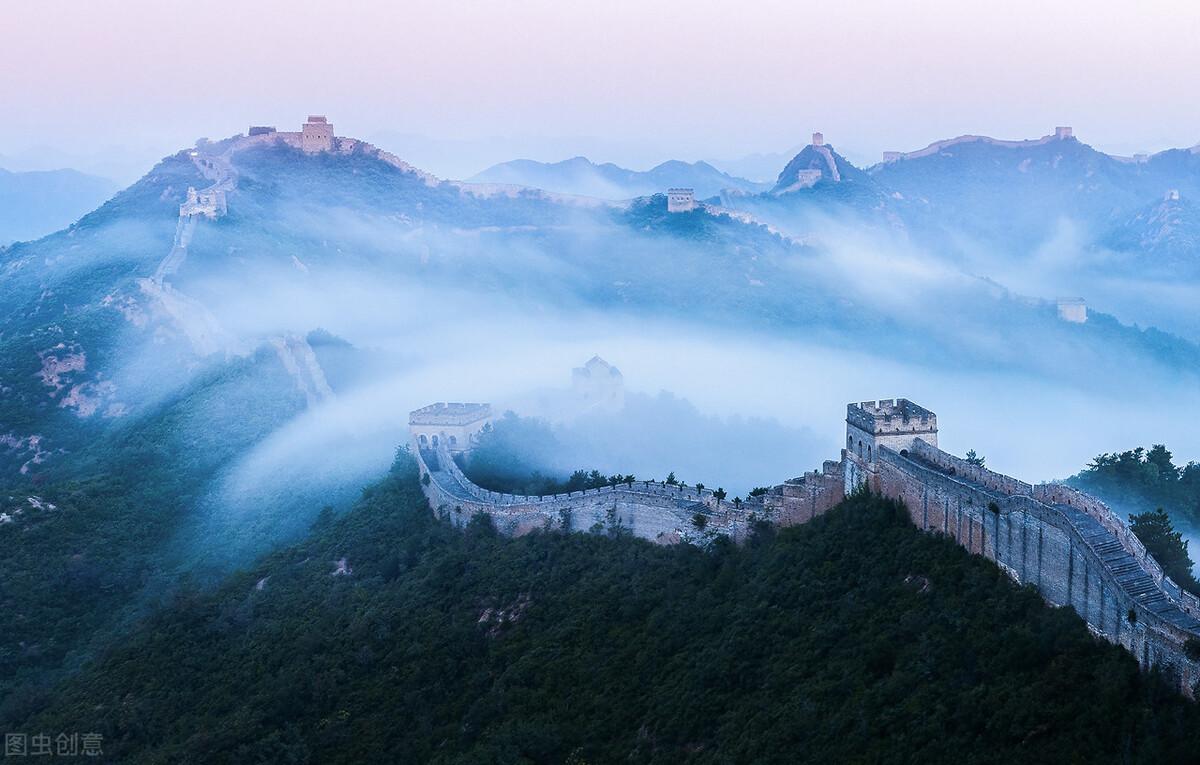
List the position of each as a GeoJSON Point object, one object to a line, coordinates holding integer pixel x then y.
{"type": "Point", "coordinates": [681, 200]}
{"type": "Point", "coordinates": [894, 423]}
{"type": "Point", "coordinates": [316, 134]}
{"type": "Point", "coordinates": [1073, 310]}
{"type": "Point", "coordinates": [1062, 133]}
{"type": "Point", "coordinates": [599, 385]}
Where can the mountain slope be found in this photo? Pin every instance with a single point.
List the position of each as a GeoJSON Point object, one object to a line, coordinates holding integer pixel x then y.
{"type": "Point", "coordinates": [165, 386]}
{"type": "Point", "coordinates": [1018, 194]}
{"type": "Point", "coordinates": [581, 648]}
{"type": "Point", "coordinates": [35, 203]}
{"type": "Point", "coordinates": [1165, 235]}
{"type": "Point", "coordinates": [608, 181]}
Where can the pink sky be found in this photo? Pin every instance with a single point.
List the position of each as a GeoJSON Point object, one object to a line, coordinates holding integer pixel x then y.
{"type": "Point", "coordinates": [688, 79]}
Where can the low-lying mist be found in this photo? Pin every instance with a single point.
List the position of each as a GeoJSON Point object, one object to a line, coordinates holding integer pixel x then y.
{"type": "Point", "coordinates": [717, 398]}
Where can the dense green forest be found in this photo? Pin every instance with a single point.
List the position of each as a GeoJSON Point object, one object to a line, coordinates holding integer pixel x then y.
{"type": "Point", "coordinates": [851, 638]}
{"type": "Point", "coordinates": [1143, 480]}
{"type": "Point", "coordinates": [99, 547]}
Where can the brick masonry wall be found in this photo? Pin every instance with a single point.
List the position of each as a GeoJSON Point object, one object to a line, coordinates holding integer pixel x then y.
{"type": "Point", "coordinates": [650, 510]}
{"type": "Point", "coordinates": [1034, 543]}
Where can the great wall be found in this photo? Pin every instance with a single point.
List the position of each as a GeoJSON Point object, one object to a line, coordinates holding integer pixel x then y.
{"type": "Point", "coordinates": [1070, 546]}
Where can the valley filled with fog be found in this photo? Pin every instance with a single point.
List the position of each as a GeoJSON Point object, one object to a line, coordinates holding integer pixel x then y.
{"type": "Point", "coordinates": [742, 327]}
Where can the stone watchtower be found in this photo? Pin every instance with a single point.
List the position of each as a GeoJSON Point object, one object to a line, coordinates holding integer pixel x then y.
{"type": "Point", "coordinates": [681, 200]}
{"type": "Point", "coordinates": [455, 426]}
{"type": "Point", "coordinates": [894, 423]}
{"type": "Point", "coordinates": [316, 134]}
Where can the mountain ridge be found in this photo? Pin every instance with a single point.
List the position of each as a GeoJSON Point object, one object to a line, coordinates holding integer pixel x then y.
{"type": "Point", "coordinates": [579, 175]}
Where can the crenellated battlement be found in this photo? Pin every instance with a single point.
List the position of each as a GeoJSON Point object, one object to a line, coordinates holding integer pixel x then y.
{"type": "Point", "coordinates": [894, 423]}
{"type": "Point", "coordinates": [891, 416]}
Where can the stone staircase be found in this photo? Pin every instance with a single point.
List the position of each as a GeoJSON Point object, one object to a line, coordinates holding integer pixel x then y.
{"type": "Point", "coordinates": [1126, 570]}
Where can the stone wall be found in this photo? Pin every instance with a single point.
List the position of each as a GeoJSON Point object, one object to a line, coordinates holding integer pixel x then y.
{"type": "Point", "coordinates": [1028, 533]}
{"type": "Point", "coordinates": [647, 509]}
{"type": "Point", "coordinates": [804, 498]}
{"type": "Point", "coordinates": [1071, 547]}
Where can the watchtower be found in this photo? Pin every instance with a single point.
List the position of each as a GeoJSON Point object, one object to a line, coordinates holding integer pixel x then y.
{"type": "Point", "coordinates": [894, 423]}
{"type": "Point", "coordinates": [454, 425]}
{"type": "Point", "coordinates": [1073, 310]}
{"type": "Point", "coordinates": [316, 134]}
{"type": "Point", "coordinates": [681, 200]}
{"type": "Point", "coordinates": [599, 385]}
{"type": "Point", "coordinates": [1063, 132]}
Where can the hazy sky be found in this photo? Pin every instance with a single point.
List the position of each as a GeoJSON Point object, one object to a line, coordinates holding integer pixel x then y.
{"type": "Point", "coordinates": [641, 80]}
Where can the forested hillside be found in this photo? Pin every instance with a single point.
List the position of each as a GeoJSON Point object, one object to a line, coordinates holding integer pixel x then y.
{"type": "Point", "coordinates": [852, 638]}
{"type": "Point", "coordinates": [1142, 480]}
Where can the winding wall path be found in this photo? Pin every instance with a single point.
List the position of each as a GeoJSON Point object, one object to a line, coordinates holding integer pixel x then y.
{"type": "Point", "coordinates": [647, 509]}
{"type": "Point", "coordinates": [1068, 545]}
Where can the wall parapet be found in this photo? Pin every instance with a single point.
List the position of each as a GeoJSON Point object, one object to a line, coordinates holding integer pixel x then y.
{"type": "Point", "coordinates": [641, 502]}
{"type": "Point", "coordinates": [974, 473]}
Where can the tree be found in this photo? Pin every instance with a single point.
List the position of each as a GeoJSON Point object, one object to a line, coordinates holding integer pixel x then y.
{"type": "Point", "coordinates": [700, 520]}
{"type": "Point", "coordinates": [737, 503]}
{"type": "Point", "coordinates": [1161, 458]}
{"type": "Point", "coordinates": [700, 488]}
{"type": "Point", "coordinates": [720, 495]}
{"type": "Point", "coordinates": [1167, 546]}
{"type": "Point", "coordinates": [974, 459]}
{"type": "Point", "coordinates": [671, 479]}
{"type": "Point", "coordinates": [758, 491]}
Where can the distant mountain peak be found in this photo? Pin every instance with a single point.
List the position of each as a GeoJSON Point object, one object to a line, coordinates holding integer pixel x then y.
{"type": "Point", "coordinates": [815, 163]}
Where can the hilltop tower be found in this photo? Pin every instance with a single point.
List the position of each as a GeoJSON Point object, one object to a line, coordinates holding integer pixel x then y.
{"type": "Point", "coordinates": [599, 385]}
{"type": "Point", "coordinates": [894, 423]}
{"type": "Point", "coordinates": [455, 426]}
{"type": "Point", "coordinates": [681, 200]}
{"type": "Point", "coordinates": [316, 134]}
{"type": "Point", "coordinates": [1073, 310]}
{"type": "Point", "coordinates": [1062, 133]}
{"type": "Point", "coordinates": [818, 139]}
